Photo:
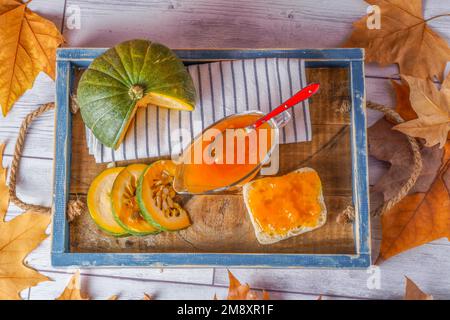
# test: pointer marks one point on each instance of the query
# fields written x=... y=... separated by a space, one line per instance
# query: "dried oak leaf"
x=238 y=291
x=404 y=38
x=73 y=289
x=432 y=108
x=28 y=46
x=413 y=292
x=393 y=147
x=419 y=218
x=18 y=238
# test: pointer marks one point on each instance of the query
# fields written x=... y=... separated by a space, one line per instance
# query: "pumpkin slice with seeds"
x=132 y=74
x=124 y=204
x=156 y=197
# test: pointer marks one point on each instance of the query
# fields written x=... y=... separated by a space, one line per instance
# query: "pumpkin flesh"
x=162 y=219
x=99 y=202
x=124 y=204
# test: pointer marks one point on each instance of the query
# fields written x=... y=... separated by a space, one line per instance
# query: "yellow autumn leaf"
x=18 y=238
x=28 y=45
x=73 y=289
x=238 y=291
x=433 y=111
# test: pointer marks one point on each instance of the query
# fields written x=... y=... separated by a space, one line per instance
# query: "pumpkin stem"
x=136 y=92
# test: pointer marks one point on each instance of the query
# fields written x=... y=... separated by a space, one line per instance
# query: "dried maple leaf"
x=403 y=106
x=73 y=289
x=238 y=291
x=413 y=292
x=18 y=238
x=432 y=108
x=404 y=38
x=419 y=218
x=28 y=44
x=393 y=147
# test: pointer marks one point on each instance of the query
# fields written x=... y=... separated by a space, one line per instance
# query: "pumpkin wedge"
x=132 y=74
x=99 y=202
x=155 y=196
x=124 y=205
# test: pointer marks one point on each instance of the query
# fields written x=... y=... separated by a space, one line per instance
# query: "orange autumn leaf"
x=403 y=37
x=147 y=297
x=28 y=46
x=413 y=292
x=18 y=238
x=73 y=289
x=238 y=291
x=432 y=108
x=403 y=105
x=419 y=218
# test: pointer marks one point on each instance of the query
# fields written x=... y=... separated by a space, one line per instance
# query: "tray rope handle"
x=348 y=214
x=74 y=207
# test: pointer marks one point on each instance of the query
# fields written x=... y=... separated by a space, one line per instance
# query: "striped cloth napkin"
x=223 y=88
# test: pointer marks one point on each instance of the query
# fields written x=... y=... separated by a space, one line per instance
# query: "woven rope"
x=348 y=214
x=16 y=160
x=75 y=207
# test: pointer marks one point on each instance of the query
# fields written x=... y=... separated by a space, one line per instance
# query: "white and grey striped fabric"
x=223 y=88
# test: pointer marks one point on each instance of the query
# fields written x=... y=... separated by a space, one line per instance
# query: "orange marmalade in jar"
x=225 y=156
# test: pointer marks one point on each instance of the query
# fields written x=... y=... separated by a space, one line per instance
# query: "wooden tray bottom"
x=220 y=222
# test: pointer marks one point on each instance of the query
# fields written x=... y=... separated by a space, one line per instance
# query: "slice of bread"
x=265 y=238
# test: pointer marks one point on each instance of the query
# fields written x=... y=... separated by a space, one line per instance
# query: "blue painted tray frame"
x=68 y=59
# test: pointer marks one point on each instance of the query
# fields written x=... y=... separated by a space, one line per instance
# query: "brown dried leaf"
x=18 y=238
x=404 y=38
x=238 y=291
x=73 y=289
x=393 y=147
x=433 y=110
x=413 y=292
x=403 y=106
x=419 y=218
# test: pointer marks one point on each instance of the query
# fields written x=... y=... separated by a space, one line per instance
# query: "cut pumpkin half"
x=124 y=205
x=132 y=74
x=99 y=202
x=155 y=195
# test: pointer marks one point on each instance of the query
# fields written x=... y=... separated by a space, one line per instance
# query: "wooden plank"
x=220 y=24
x=40 y=260
x=101 y=287
x=52 y=10
x=34 y=181
x=426 y=265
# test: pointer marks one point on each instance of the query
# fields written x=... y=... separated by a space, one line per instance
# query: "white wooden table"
x=205 y=24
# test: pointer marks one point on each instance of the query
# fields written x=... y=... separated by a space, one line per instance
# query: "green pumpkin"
x=132 y=74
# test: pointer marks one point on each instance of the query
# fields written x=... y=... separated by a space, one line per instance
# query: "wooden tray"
x=221 y=234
